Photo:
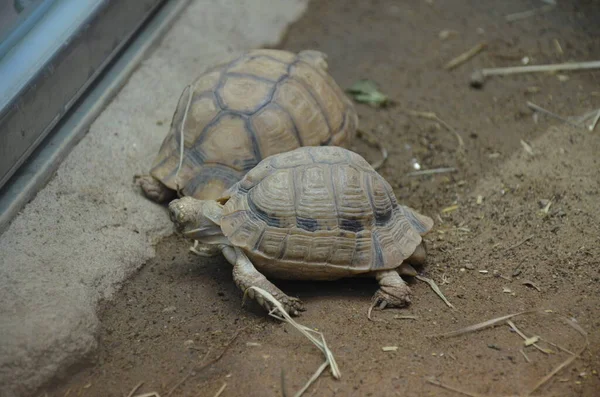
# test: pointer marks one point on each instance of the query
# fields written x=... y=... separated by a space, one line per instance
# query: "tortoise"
x=313 y=213
x=237 y=113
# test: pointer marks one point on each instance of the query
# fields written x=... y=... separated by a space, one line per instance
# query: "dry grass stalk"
x=549 y=113
x=452 y=388
x=434 y=117
x=308 y=333
x=494 y=321
x=592 y=126
x=220 y=391
x=135 y=388
x=151 y=394
x=206 y=363
x=398 y=317
x=372 y=140
x=529 y=13
x=528 y=341
x=181 y=136
x=569 y=360
x=480 y=326
x=525 y=356
x=465 y=56
x=435 y=289
x=432 y=171
x=526 y=239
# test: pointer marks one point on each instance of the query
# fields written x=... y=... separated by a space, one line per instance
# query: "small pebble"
x=469 y=266
x=483 y=271
x=169 y=309
x=188 y=343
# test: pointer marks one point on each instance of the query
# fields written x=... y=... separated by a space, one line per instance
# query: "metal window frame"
x=42 y=120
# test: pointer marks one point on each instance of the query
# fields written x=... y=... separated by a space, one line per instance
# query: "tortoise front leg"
x=153 y=189
x=394 y=291
x=245 y=276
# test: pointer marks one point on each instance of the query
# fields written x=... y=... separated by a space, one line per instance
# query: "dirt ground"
x=181 y=311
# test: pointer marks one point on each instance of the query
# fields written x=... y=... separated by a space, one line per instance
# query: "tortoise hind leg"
x=245 y=276
x=154 y=189
x=393 y=291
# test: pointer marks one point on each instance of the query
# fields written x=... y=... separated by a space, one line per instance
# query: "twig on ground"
x=478 y=77
x=522 y=335
x=372 y=140
x=465 y=56
x=308 y=333
x=568 y=360
x=434 y=117
x=549 y=113
x=208 y=363
x=135 y=388
x=526 y=239
x=435 y=289
x=182 y=137
x=432 y=171
x=218 y=393
x=592 y=126
x=492 y=322
x=452 y=388
x=531 y=284
x=529 y=13
x=480 y=326
x=525 y=356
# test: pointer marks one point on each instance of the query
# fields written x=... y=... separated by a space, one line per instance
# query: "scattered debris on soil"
x=494 y=193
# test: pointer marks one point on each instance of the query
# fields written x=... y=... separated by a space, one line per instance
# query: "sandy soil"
x=181 y=311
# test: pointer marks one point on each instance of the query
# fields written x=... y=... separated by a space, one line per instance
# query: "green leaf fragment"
x=366 y=91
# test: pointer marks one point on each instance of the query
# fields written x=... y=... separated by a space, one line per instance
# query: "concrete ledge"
x=89 y=228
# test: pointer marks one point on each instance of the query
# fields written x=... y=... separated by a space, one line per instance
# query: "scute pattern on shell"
x=320 y=213
x=259 y=104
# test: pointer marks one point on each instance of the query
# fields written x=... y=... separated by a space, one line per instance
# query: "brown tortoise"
x=261 y=103
x=314 y=213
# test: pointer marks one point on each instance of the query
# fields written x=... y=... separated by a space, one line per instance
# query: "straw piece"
x=435 y=289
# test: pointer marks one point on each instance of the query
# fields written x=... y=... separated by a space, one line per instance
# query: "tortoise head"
x=197 y=219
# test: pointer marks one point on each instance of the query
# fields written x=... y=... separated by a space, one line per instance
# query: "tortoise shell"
x=262 y=103
x=320 y=213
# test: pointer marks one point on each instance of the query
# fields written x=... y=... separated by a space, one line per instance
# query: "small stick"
x=182 y=137
x=432 y=171
x=529 y=13
x=211 y=362
x=522 y=335
x=592 y=126
x=549 y=113
x=135 y=388
x=525 y=356
x=478 y=76
x=526 y=239
x=372 y=140
x=452 y=388
x=434 y=117
x=435 y=289
x=465 y=56
x=221 y=389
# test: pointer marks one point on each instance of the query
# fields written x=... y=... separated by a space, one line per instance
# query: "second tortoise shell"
x=320 y=213
x=261 y=103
